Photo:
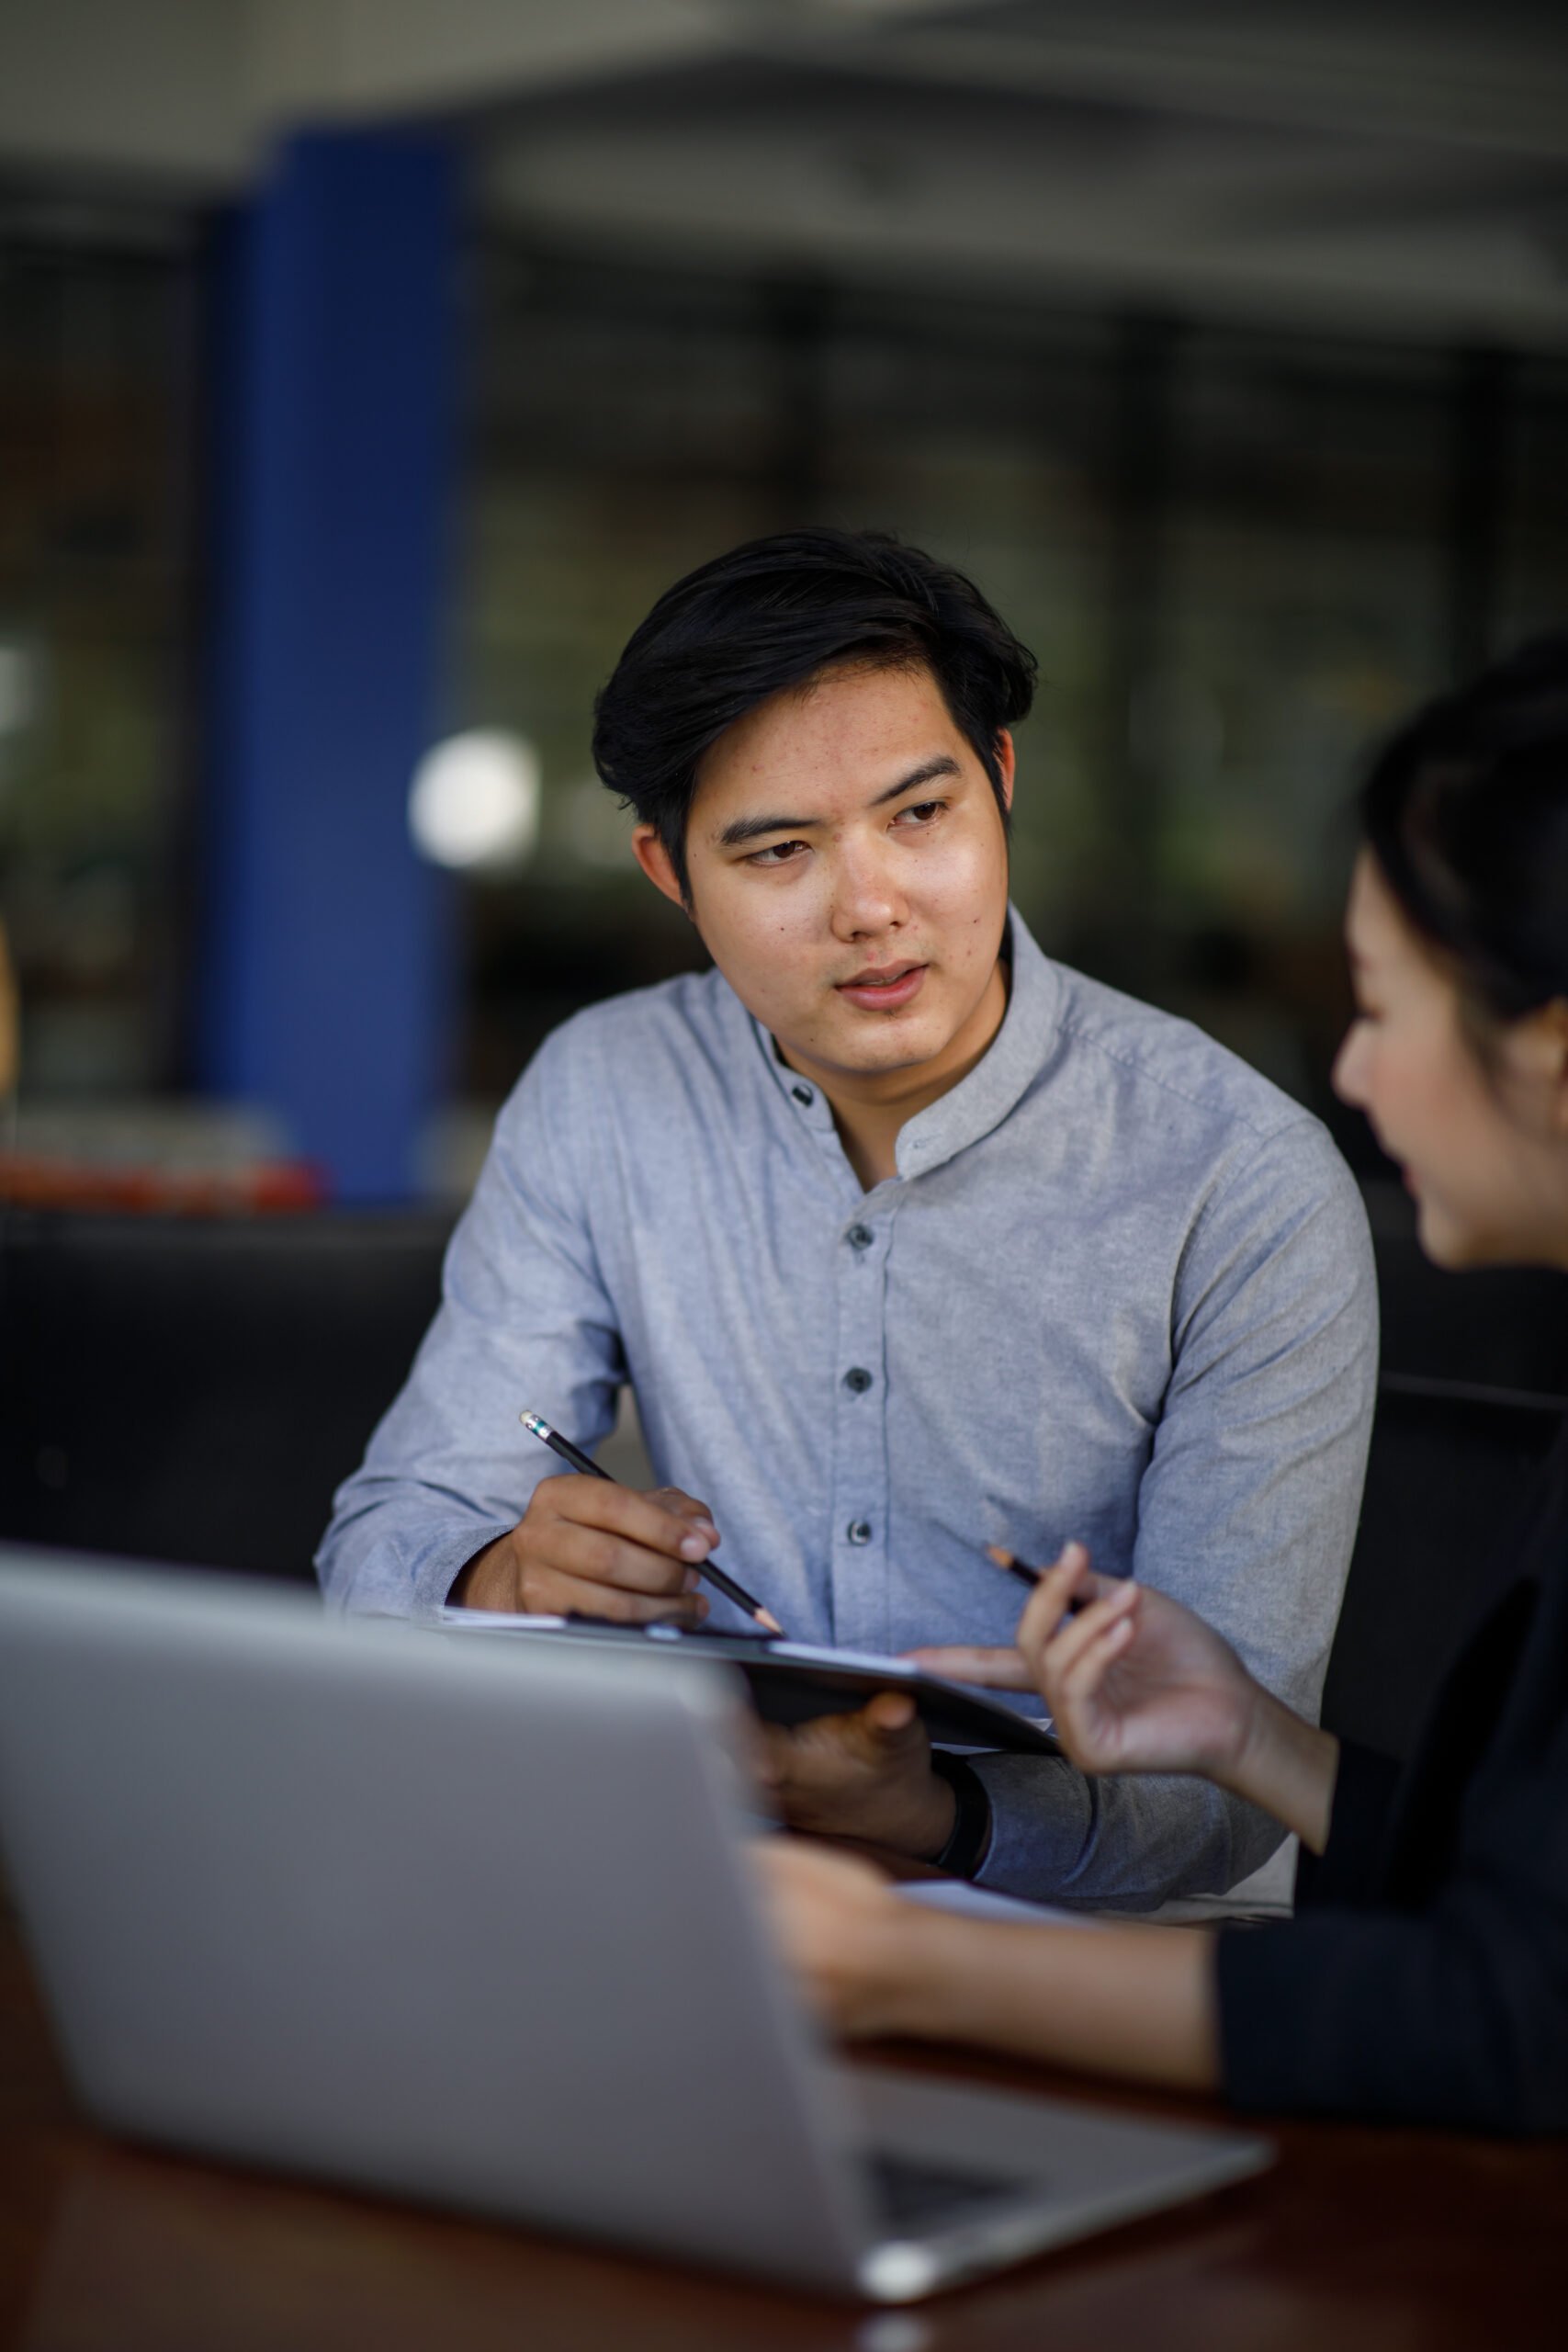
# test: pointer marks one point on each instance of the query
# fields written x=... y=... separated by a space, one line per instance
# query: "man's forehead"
x=879 y=718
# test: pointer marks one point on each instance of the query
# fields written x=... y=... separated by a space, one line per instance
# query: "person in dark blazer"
x=1425 y=1975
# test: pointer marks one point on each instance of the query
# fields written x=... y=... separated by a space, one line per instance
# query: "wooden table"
x=1359 y=2240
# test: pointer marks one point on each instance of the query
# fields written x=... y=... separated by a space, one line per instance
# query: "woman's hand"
x=842 y=1928
x=1133 y=2001
x=1137 y=1683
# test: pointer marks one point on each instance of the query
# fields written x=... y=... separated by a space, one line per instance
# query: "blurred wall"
x=1228 y=351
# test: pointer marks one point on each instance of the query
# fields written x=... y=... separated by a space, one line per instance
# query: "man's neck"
x=870 y=1137
x=872 y=1110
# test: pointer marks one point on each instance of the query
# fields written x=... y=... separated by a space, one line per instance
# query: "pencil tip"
x=765 y=1617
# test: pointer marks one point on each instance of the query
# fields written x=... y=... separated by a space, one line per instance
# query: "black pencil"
x=1029 y=1578
x=537 y=1426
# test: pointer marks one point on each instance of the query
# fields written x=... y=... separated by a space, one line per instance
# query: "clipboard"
x=791 y=1682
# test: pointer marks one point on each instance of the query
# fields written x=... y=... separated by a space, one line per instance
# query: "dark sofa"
x=193 y=1389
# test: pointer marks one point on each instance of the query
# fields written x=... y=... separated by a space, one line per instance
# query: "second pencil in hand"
x=537 y=1426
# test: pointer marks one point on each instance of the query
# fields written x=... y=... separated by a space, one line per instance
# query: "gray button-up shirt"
x=1121 y=1288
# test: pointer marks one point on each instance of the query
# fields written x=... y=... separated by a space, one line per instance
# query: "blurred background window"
x=1228 y=350
x=97 y=642
x=1534 y=524
x=1239 y=556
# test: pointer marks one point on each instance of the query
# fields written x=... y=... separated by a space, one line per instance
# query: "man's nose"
x=868 y=898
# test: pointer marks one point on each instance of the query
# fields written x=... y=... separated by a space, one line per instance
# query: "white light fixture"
x=474 y=801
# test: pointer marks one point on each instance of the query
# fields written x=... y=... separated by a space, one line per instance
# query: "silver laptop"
x=469 y=1923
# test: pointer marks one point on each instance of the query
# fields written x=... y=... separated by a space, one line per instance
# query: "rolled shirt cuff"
x=416 y=1583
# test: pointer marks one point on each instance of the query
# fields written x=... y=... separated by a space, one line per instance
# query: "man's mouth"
x=883 y=986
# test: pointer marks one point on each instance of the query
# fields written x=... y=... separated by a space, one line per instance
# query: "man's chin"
x=896 y=1074
x=883 y=1042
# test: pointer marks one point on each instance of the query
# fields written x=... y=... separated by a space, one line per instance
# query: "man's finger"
x=644 y=1519
x=557 y=1592
x=597 y=1557
x=996 y=1669
x=688 y=1507
x=862 y=1736
x=890 y=1713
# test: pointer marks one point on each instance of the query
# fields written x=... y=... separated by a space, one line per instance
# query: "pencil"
x=1027 y=1576
x=537 y=1426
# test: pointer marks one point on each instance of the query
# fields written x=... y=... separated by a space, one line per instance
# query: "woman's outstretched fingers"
x=1055 y=1658
x=1065 y=1586
x=1076 y=1632
x=1080 y=1677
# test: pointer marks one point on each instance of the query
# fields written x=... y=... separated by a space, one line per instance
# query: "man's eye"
x=924 y=812
x=776 y=853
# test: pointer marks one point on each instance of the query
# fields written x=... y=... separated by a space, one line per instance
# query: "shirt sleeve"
x=524 y=1323
x=1457 y=2015
x=1247 y=1512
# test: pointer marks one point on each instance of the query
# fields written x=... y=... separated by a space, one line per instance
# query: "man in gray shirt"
x=908 y=1239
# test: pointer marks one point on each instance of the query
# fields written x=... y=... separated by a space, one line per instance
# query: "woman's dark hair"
x=1466 y=813
x=770 y=616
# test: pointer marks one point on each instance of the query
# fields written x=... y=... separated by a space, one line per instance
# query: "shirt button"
x=859 y=1236
x=859 y=1531
x=802 y=1095
x=857 y=1380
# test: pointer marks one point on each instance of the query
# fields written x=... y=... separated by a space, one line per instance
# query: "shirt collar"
x=978 y=1102
x=1004 y=1073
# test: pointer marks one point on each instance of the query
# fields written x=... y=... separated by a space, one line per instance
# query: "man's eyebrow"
x=944 y=764
x=751 y=829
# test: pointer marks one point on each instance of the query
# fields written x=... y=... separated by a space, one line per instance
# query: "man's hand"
x=866 y=1775
x=602 y=1550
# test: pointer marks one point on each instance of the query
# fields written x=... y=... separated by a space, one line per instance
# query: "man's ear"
x=1007 y=762
x=654 y=859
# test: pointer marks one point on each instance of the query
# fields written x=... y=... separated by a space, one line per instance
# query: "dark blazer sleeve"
x=1350 y=1866
x=1456 y=2014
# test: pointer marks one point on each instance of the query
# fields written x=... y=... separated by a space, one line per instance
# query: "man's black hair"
x=1466 y=814
x=773 y=614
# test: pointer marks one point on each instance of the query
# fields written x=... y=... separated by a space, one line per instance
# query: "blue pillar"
x=326 y=979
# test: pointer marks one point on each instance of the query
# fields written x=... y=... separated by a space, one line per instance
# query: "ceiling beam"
x=1349 y=78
